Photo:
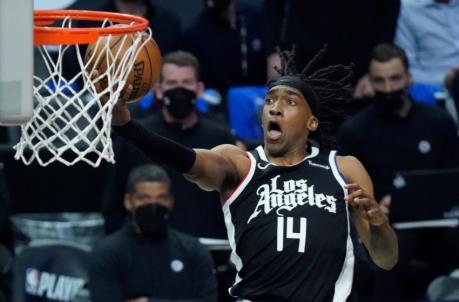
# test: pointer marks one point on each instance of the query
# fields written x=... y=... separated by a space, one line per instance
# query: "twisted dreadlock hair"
x=331 y=87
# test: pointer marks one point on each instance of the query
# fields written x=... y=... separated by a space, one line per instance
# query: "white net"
x=73 y=124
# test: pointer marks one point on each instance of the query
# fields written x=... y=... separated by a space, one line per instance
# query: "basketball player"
x=286 y=203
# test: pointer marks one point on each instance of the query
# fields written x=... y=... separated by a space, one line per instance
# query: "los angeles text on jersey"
x=289 y=195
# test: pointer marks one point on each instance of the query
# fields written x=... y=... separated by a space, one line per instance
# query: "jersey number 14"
x=285 y=231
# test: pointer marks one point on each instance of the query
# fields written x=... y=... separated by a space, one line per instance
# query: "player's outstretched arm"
x=221 y=168
x=218 y=169
x=369 y=219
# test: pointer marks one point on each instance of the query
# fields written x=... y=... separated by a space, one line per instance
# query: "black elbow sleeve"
x=159 y=149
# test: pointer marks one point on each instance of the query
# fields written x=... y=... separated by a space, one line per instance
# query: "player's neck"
x=289 y=158
x=187 y=122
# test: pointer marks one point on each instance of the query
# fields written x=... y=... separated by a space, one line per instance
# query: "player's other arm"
x=371 y=223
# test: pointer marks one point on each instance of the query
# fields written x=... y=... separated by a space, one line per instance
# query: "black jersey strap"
x=159 y=149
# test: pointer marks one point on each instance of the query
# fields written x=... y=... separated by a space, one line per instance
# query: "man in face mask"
x=149 y=203
x=179 y=88
x=146 y=260
x=390 y=79
x=396 y=133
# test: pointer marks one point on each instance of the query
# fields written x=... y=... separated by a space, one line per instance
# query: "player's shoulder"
x=229 y=150
x=236 y=156
x=349 y=165
x=348 y=160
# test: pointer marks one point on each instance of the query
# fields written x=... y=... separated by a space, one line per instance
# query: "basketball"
x=145 y=71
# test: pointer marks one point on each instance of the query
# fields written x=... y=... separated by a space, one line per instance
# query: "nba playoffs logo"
x=52 y=286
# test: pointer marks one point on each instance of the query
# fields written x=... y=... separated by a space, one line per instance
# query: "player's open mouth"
x=274 y=131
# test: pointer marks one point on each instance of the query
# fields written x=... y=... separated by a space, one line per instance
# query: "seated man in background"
x=146 y=259
x=393 y=134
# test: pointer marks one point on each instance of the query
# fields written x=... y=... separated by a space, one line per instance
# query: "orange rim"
x=45 y=33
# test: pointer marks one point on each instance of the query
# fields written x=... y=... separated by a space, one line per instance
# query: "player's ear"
x=313 y=123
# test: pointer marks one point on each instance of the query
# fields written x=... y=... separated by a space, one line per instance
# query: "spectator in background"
x=428 y=30
x=166 y=26
x=146 y=259
x=392 y=134
x=227 y=40
x=196 y=212
x=395 y=133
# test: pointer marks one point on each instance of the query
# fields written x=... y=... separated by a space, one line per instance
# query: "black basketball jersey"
x=288 y=228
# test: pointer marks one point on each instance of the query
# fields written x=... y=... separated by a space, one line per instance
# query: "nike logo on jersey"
x=289 y=195
x=263 y=167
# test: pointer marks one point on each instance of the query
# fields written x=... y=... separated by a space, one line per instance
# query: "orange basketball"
x=145 y=71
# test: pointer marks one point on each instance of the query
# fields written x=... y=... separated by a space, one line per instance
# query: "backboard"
x=16 y=61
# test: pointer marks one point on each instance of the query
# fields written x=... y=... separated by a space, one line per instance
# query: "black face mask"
x=388 y=103
x=151 y=219
x=179 y=101
x=216 y=7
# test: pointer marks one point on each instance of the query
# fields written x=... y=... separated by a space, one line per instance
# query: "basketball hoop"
x=70 y=123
